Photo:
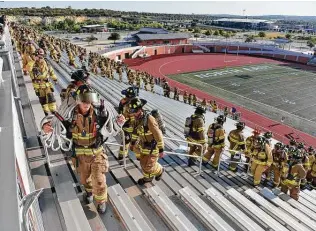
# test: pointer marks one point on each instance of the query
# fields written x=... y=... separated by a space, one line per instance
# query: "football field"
x=282 y=86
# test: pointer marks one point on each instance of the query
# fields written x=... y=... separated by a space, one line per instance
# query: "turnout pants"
x=210 y=152
x=96 y=167
x=311 y=179
x=257 y=170
x=149 y=163
x=276 y=174
x=291 y=186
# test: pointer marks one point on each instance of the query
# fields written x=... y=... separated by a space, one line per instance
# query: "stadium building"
x=246 y=23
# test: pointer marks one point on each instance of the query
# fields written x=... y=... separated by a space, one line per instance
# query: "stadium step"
x=206 y=214
x=168 y=210
x=288 y=208
x=289 y=221
x=312 y=193
x=298 y=205
x=128 y=212
x=234 y=213
x=254 y=211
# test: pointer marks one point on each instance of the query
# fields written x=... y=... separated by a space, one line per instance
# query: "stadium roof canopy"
x=144 y=37
x=243 y=20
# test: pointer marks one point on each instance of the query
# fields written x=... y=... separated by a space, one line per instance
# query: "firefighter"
x=311 y=175
x=185 y=97
x=41 y=73
x=128 y=127
x=138 y=80
x=280 y=159
x=194 y=100
x=166 y=90
x=261 y=159
x=152 y=84
x=250 y=146
x=197 y=134
x=293 y=173
x=28 y=56
x=203 y=103
x=190 y=99
x=71 y=57
x=305 y=162
x=150 y=141
x=216 y=141
x=268 y=136
x=119 y=70
x=92 y=160
x=237 y=144
x=176 y=94
x=214 y=107
x=80 y=77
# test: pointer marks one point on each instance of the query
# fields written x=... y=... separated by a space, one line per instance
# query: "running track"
x=163 y=65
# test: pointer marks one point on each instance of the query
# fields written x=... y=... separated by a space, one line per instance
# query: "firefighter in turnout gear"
x=194 y=100
x=250 y=146
x=28 y=57
x=128 y=127
x=293 y=173
x=305 y=162
x=216 y=141
x=176 y=94
x=185 y=97
x=41 y=72
x=280 y=159
x=150 y=141
x=197 y=134
x=311 y=175
x=237 y=144
x=262 y=159
x=84 y=130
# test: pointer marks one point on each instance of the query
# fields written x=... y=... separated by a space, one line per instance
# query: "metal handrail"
x=192 y=156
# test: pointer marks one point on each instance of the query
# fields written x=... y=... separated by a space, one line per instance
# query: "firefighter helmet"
x=86 y=94
x=296 y=155
x=130 y=92
x=79 y=75
x=268 y=135
x=310 y=149
x=40 y=52
x=293 y=142
x=300 y=145
x=200 y=110
x=240 y=125
x=259 y=141
x=220 y=119
x=279 y=146
x=256 y=131
x=135 y=104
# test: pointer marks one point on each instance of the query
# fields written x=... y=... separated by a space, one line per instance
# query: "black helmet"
x=240 y=125
x=300 y=145
x=130 y=92
x=296 y=155
x=86 y=94
x=200 y=110
x=260 y=141
x=268 y=135
x=136 y=104
x=79 y=75
x=279 y=145
x=310 y=149
x=293 y=142
x=220 y=119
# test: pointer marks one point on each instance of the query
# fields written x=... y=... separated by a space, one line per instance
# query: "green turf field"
x=283 y=86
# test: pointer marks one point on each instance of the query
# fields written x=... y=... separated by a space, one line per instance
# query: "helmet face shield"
x=89 y=97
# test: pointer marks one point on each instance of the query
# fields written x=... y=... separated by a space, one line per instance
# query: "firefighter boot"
x=158 y=177
x=102 y=207
x=144 y=180
x=89 y=198
x=191 y=162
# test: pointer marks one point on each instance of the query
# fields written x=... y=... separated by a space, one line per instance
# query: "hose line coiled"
x=57 y=139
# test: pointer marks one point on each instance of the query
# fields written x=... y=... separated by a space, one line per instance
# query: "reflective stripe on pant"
x=96 y=167
x=210 y=152
x=124 y=153
x=150 y=165
x=290 y=185
x=257 y=171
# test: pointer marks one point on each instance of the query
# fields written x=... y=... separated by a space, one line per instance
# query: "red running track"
x=162 y=65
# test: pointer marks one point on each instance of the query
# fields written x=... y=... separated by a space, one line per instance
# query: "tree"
x=227 y=35
x=196 y=35
x=208 y=33
x=197 y=30
x=250 y=39
x=262 y=34
x=311 y=43
x=216 y=33
x=114 y=36
x=288 y=36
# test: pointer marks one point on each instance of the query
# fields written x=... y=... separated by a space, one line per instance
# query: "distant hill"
x=269 y=17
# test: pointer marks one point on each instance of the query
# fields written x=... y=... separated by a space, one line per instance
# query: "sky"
x=301 y=8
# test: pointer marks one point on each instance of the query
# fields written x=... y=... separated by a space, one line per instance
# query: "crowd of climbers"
x=290 y=166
